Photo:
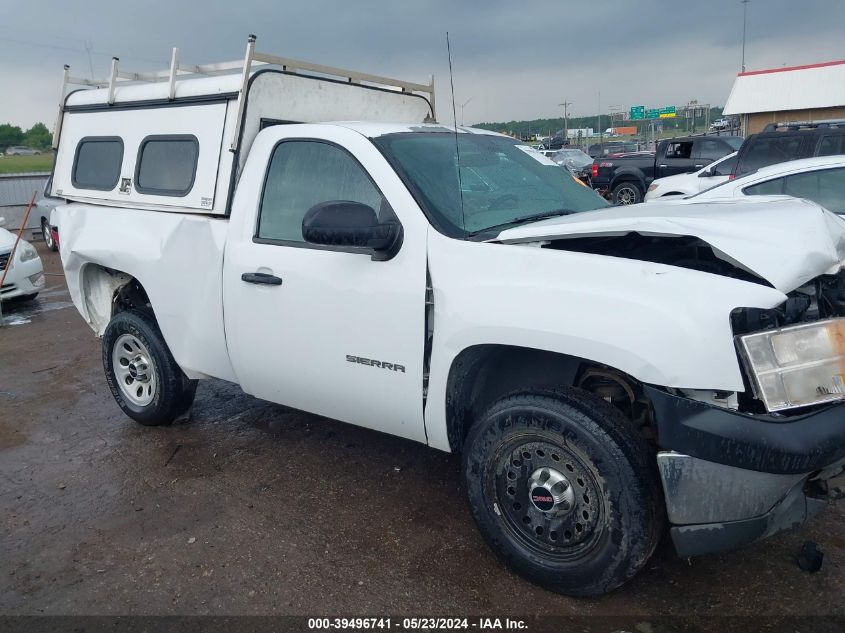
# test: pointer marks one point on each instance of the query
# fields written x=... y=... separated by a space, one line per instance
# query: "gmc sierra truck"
x=624 y=179
x=601 y=371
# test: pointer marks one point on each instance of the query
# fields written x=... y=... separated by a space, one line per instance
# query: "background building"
x=798 y=93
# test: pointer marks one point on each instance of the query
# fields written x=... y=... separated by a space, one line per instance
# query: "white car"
x=690 y=184
x=25 y=277
x=820 y=179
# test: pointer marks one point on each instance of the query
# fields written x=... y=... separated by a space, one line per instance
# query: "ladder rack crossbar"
x=179 y=71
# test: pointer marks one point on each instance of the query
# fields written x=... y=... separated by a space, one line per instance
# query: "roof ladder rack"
x=244 y=66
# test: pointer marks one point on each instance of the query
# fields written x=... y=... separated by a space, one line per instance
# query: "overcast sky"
x=511 y=60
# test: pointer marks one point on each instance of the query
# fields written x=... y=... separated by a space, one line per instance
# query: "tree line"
x=552 y=125
x=38 y=136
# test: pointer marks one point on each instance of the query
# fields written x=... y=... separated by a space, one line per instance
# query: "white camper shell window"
x=96 y=163
x=167 y=165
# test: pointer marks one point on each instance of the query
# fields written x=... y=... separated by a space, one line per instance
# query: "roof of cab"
x=372 y=129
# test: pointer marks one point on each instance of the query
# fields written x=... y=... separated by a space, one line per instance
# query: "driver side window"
x=306 y=173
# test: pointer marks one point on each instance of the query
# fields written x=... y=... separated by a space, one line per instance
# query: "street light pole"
x=565 y=105
x=744 y=16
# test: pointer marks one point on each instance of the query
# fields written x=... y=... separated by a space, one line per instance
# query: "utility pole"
x=565 y=106
x=601 y=135
x=744 y=16
x=462 y=109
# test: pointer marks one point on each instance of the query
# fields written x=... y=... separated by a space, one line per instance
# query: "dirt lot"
x=252 y=508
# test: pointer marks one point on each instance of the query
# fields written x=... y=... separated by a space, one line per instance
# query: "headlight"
x=652 y=187
x=26 y=252
x=799 y=365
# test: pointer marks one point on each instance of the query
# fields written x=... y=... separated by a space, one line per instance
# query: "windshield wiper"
x=524 y=219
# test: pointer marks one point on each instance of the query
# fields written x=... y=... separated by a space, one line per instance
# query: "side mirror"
x=352 y=224
x=707 y=173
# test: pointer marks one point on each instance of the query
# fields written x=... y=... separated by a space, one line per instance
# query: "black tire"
x=615 y=519
x=627 y=192
x=171 y=392
x=47 y=234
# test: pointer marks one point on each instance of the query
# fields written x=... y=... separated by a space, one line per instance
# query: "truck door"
x=328 y=330
x=676 y=159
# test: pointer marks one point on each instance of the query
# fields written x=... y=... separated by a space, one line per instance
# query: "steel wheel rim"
x=134 y=370
x=564 y=537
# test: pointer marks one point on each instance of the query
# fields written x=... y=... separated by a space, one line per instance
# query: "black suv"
x=781 y=142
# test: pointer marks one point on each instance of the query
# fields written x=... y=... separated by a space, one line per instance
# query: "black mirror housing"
x=344 y=223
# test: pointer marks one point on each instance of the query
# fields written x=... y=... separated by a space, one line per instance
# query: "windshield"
x=734 y=141
x=502 y=180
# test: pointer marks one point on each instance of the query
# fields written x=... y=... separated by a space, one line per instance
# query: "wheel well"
x=628 y=179
x=106 y=291
x=483 y=374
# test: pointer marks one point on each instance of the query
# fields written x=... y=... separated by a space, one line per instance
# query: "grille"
x=4 y=260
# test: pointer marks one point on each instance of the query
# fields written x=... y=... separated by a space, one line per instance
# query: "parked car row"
x=626 y=178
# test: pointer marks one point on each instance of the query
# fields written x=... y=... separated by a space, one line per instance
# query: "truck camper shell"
x=176 y=140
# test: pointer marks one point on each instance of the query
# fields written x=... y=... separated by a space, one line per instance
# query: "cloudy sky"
x=512 y=60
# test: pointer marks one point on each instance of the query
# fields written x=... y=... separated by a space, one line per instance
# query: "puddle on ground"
x=21 y=313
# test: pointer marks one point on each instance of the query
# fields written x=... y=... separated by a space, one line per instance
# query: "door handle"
x=699 y=166
x=663 y=166
x=261 y=278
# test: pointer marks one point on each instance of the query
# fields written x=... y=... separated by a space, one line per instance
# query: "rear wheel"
x=627 y=193
x=141 y=373
x=564 y=490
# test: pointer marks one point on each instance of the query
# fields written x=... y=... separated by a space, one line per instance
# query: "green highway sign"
x=668 y=112
x=637 y=113
x=653 y=113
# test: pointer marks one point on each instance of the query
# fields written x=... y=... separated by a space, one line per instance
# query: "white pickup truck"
x=599 y=369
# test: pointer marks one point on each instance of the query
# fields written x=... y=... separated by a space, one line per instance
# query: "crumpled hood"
x=783 y=240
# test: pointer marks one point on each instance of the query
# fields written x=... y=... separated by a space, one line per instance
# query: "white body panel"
x=662 y=324
x=686 y=184
x=289 y=343
x=177 y=258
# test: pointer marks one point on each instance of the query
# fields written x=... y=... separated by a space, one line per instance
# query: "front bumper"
x=732 y=478
x=23 y=279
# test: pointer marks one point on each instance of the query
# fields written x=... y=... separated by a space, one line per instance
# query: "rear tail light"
x=732 y=177
x=594 y=170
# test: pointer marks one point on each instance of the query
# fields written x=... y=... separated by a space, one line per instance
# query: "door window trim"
x=317 y=247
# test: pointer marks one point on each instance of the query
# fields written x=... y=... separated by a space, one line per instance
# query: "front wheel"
x=564 y=490
x=626 y=193
x=141 y=373
x=47 y=234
